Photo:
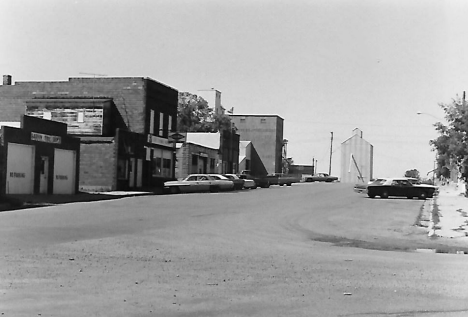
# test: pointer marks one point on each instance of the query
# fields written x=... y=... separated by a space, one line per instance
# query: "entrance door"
x=131 y=174
x=139 y=173
x=44 y=175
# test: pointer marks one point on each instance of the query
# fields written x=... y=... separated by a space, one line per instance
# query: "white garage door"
x=64 y=171
x=20 y=169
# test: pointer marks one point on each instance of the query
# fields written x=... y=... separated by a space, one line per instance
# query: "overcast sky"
x=323 y=66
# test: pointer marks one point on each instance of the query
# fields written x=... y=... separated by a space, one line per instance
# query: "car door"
x=192 y=184
x=395 y=188
x=204 y=182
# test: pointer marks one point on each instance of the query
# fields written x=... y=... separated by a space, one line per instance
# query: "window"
x=161 y=123
x=262 y=120
x=194 y=159
x=242 y=119
x=47 y=115
x=80 y=116
x=151 y=124
x=169 y=128
x=212 y=163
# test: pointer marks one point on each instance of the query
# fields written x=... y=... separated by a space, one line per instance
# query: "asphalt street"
x=305 y=250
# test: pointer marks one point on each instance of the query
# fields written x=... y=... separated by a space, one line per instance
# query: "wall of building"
x=356 y=151
x=266 y=135
x=98 y=166
x=186 y=164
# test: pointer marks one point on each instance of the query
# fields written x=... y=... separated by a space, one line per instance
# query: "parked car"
x=248 y=183
x=199 y=183
x=281 y=179
x=263 y=182
x=321 y=177
x=238 y=183
x=400 y=187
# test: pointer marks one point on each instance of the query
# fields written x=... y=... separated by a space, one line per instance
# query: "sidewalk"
x=451 y=207
x=12 y=202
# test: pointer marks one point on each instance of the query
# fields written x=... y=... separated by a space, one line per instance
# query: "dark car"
x=321 y=177
x=399 y=187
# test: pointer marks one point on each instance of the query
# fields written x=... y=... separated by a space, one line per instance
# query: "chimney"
x=6 y=80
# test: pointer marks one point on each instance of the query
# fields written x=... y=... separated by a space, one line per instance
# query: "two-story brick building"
x=123 y=124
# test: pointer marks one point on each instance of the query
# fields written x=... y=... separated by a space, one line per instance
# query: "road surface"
x=312 y=249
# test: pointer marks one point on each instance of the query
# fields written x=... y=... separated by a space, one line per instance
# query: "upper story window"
x=169 y=128
x=161 y=124
x=151 y=124
x=262 y=120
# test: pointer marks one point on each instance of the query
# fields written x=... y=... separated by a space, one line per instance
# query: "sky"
x=322 y=66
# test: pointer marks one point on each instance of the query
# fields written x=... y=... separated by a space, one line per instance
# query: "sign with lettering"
x=157 y=140
x=39 y=137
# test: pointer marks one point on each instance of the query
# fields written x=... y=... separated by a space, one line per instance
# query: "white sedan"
x=199 y=183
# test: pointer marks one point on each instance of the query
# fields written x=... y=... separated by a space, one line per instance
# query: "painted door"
x=20 y=169
x=64 y=171
x=44 y=175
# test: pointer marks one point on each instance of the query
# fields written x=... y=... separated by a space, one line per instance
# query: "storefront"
x=38 y=158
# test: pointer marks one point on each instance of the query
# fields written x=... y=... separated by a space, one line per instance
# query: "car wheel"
x=214 y=189
x=422 y=196
x=384 y=194
x=288 y=184
x=371 y=194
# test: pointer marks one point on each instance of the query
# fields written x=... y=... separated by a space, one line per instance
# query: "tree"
x=414 y=173
x=194 y=115
x=451 y=145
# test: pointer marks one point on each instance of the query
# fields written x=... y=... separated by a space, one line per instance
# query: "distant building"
x=123 y=124
x=213 y=97
x=357 y=159
x=203 y=152
x=266 y=134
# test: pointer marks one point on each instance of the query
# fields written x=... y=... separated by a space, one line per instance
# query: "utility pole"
x=313 y=166
x=331 y=152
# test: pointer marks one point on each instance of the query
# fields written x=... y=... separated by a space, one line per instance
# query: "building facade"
x=106 y=114
x=357 y=159
x=266 y=134
x=204 y=152
x=38 y=158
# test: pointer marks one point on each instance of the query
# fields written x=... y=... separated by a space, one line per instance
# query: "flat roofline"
x=100 y=78
x=255 y=115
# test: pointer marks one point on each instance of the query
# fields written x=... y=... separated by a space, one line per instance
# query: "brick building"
x=266 y=134
x=123 y=124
